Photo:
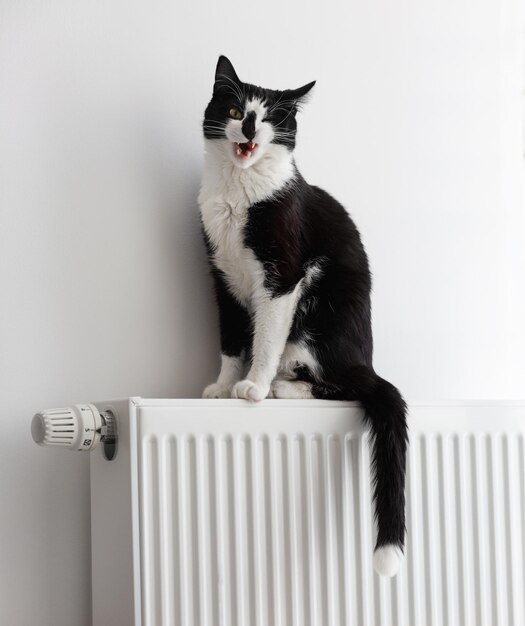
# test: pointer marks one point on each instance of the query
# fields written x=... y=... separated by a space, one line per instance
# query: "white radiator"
x=218 y=513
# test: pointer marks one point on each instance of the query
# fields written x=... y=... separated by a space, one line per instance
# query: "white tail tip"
x=387 y=560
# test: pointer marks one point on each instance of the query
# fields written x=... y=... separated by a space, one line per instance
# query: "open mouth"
x=244 y=150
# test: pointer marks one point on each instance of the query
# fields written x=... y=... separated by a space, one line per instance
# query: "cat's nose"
x=248 y=126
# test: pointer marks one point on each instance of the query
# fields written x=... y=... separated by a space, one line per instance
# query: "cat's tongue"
x=245 y=149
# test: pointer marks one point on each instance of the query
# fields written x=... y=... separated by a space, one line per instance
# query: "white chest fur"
x=227 y=193
x=225 y=229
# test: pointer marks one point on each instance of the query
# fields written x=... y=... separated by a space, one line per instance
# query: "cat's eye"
x=235 y=113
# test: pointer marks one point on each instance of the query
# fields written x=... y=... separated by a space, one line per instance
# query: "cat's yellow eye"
x=235 y=113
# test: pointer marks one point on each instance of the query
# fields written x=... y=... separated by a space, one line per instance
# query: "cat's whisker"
x=229 y=89
x=285 y=105
x=289 y=113
x=281 y=102
x=284 y=137
x=235 y=86
x=281 y=109
x=276 y=103
x=214 y=126
x=234 y=94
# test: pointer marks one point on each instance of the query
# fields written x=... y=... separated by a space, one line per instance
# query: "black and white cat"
x=293 y=283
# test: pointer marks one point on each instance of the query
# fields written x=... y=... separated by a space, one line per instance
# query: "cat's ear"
x=225 y=75
x=300 y=95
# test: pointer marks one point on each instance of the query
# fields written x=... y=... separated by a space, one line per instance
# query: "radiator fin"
x=277 y=531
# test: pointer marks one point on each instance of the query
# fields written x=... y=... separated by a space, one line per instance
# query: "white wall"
x=413 y=126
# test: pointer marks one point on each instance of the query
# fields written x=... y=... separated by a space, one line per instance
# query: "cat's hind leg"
x=285 y=389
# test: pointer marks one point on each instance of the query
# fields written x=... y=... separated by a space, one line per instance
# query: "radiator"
x=219 y=513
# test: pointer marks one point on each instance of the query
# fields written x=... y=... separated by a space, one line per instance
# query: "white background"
x=414 y=125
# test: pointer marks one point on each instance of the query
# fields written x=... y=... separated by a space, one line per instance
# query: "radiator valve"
x=78 y=427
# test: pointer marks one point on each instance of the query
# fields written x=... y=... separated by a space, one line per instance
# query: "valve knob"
x=78 y=427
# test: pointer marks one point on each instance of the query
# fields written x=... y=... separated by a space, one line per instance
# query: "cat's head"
x=250 y=120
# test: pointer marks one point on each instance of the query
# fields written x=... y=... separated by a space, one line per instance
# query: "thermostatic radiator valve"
x=78 y=427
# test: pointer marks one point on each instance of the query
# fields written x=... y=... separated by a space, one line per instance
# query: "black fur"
x=300 y=227
x=248 y=126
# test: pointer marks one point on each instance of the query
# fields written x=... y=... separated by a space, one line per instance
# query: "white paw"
x=248 y=390
x=289 y=389
x=216 y=391
x=387 y=560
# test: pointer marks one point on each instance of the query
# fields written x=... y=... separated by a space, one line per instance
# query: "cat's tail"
x=385 y=413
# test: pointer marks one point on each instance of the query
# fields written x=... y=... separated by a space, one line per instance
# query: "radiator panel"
x=262 y=516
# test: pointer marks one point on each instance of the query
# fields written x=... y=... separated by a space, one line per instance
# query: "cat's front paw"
x=215 y=390
x=248 y=390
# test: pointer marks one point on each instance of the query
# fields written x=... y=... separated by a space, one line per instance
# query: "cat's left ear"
x=225 y=76
x=300 y=95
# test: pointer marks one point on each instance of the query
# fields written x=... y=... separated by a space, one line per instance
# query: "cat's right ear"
x=225 y=75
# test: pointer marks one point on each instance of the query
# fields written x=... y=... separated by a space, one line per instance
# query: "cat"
x=293 y=283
